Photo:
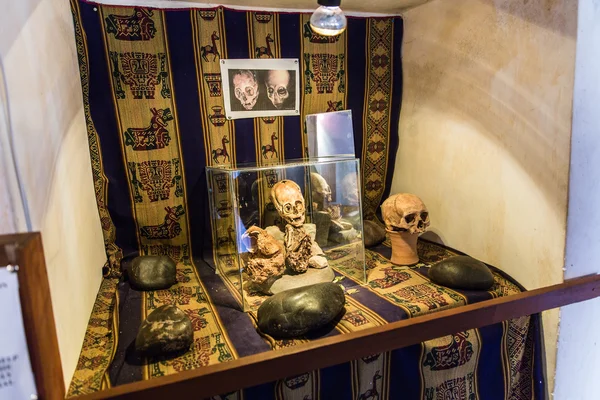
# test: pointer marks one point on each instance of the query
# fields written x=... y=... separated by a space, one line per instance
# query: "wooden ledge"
x=272 y=365
x=25 y=250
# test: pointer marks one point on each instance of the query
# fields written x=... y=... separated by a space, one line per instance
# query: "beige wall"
x=577 y=367
x=37 y=49
x=485 y=131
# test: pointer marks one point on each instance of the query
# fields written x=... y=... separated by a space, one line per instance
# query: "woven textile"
x=154 y=108
x=154 y=111
x=501 y=361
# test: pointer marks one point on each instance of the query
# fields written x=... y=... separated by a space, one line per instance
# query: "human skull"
x=246 y=88
x=321 y=192
x=277 y=82
x=405 y=212
x=350 y=189
x=289 y=202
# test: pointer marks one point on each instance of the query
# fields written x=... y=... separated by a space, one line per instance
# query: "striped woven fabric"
x=154 y=112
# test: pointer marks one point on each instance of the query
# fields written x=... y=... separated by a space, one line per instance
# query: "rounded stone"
x=373 y=233
x=152 y=273
x=298 y=311
x=462 y=272
x=167 y=330
x=310 y=277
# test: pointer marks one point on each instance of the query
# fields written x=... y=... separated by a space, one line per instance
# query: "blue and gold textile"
x=153 y=104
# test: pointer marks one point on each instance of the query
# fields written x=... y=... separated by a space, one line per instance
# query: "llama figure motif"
x=270 y=148
x=211 y=49
x=265 y=51
x=221 y=152
x=372 y=393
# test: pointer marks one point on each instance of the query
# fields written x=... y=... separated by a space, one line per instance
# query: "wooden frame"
x=265 y=367
x=26 y=251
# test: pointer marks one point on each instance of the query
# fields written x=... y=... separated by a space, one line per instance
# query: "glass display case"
x=281 y=226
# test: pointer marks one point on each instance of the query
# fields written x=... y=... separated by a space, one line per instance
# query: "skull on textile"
x=405 y=212
x=289 y=202
x=246 y=88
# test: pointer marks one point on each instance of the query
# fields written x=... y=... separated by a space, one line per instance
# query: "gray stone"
x=310 y=277
x=322 y=220
x=318 y=262
x=339 y=225
x=373 y=233
x=311 y=229
x=298 y=311
x=462 y=272
x=345 y=236
x=316 y=250
x=276 y=233
x=152 y=273
x=167 y=330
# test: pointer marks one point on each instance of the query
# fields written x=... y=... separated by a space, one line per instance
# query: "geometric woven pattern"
x=494 y=362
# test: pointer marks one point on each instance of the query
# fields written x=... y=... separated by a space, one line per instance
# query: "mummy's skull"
x=405 y=212
x=277 y=83
x=246 y=88
x=321 y=192
x=289 y=202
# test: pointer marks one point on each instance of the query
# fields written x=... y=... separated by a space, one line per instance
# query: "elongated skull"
x=405 y=212
x=350 y=189
x=246 y=88
x=289 y=202
x=277 y=83
x=321 y=191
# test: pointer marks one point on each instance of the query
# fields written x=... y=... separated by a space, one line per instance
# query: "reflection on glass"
x=252 y=211
x=330 y=134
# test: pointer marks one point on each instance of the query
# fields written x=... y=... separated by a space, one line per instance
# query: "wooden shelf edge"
x=26 y=250
x=269 y=366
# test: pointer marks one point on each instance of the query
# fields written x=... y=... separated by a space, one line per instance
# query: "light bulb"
x=328 y=21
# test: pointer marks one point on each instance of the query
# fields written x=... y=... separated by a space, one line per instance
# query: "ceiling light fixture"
x=328 y=19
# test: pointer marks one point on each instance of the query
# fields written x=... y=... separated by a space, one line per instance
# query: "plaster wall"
x=577 y=368
x=12 y=216
x=43 y=92
x=485 y=132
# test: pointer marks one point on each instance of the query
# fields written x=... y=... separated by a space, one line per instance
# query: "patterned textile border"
x=380 y=39
x=150 y=147
x=324 y=70
x=99 y=343
x=114 y=253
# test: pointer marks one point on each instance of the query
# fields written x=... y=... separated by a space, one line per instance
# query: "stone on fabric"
x=318 y=262
x=346 y=236
x=311 y=229
x=167 y=330
x=373 y=233
x=310 y=277
x=462 y=272
x=298 y=311
x=152 y=273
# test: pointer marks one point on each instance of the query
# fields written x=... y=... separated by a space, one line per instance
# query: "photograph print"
x=260 y=87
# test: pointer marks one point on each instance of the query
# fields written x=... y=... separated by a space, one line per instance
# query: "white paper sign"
x=16 y=377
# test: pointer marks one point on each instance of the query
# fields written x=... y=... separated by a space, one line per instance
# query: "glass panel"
x=249 y=209
x=330 y=134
